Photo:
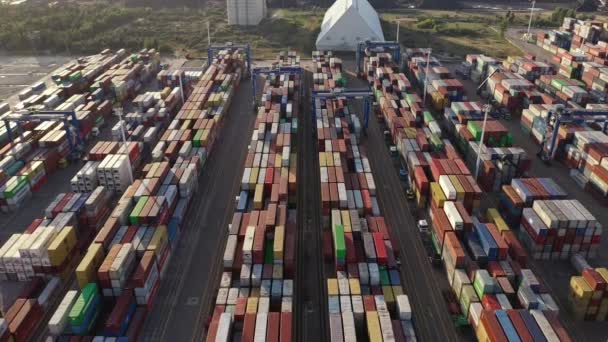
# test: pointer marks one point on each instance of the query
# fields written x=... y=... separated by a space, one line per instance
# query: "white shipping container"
x=403 y=307
x=453 y=215
x=448 y=188
x=475 y=313
x=348 y=326
x=544 y=326
x=59 y=319
x=260 y=327
x=230 y=251
x=48 y=292
x=224 y=328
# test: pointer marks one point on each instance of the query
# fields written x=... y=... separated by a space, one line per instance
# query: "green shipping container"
x=428 y=117
x=475 y=130
x=467 y=296
x=436 y=143
x=268 y=253
x=83 y=304
x=435 y=241
x=134 y=217
x=196 y=141
x=384 y=278
x=339 y=243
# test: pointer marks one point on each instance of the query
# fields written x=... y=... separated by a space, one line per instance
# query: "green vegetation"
x=87 y=28
x=78 y=29
x=453 y=32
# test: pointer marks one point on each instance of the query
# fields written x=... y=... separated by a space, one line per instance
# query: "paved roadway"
x=311 y=315
x=421 y=282
x=189 y=286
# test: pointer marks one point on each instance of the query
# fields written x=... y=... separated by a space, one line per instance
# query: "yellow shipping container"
x=62 y=245
x=437 y=194
x=345 y=214
x=494 y=216
x=603 y=271
x=332 y=287
x=278 y=244
x=86 y=272
x=258 y=197
x=482 y=335
x=579 y=288
x=253 y=177
x=387 y=291
x=252 y=305
x=355 y=286
x=158 y=241
x=397 y=290
x=322 y=161
x=459 y=189
x=410 y=132
x=329 y=159
x=373 y=326
x=277 y=160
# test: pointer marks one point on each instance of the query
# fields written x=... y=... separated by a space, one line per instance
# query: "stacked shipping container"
x=26 y=162
x=255 y=295
x=328 y=71
x=365 y=296
x=126 y=259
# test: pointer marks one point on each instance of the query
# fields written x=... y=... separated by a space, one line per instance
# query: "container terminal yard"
x=381 y=195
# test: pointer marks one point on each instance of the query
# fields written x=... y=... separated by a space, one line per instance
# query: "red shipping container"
x=272 y=328
x=136 y=324
x=22 y=326
x=249 y=327
x=492 y=327
x=286 y=327
x=490 y=302
x=381 y=256
x=121 y=309
x=520 y=326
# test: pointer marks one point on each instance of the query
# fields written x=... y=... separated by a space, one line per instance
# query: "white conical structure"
x=348 y=22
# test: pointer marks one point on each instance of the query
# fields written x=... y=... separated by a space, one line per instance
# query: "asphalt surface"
x=422 y=283
x=188 y=289
x=311 y=315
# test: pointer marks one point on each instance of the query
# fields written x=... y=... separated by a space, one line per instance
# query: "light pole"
x=118 y=111
x=181 y=86
x=208 y=35
x=483 y=128
x=530 y=22
x=426 y=75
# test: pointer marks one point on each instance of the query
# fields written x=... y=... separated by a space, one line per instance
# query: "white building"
x=246 y=12
x=348 y=22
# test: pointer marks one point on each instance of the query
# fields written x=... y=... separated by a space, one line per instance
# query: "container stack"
x=499 y=162
x=564 y=89
x=587 y=293
x=119 y=244
x=125 y=79
x=441 y=86
x=255 y=295
x=481 y=66
x=530 y=69
x=288 y=58
x=522 y=192
x=365 y=296
x=81 y=87
x=327 y=71
x=20 y=320
x=554 y=229
x=595 y=77
x=551 y=227
x=508 y=89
